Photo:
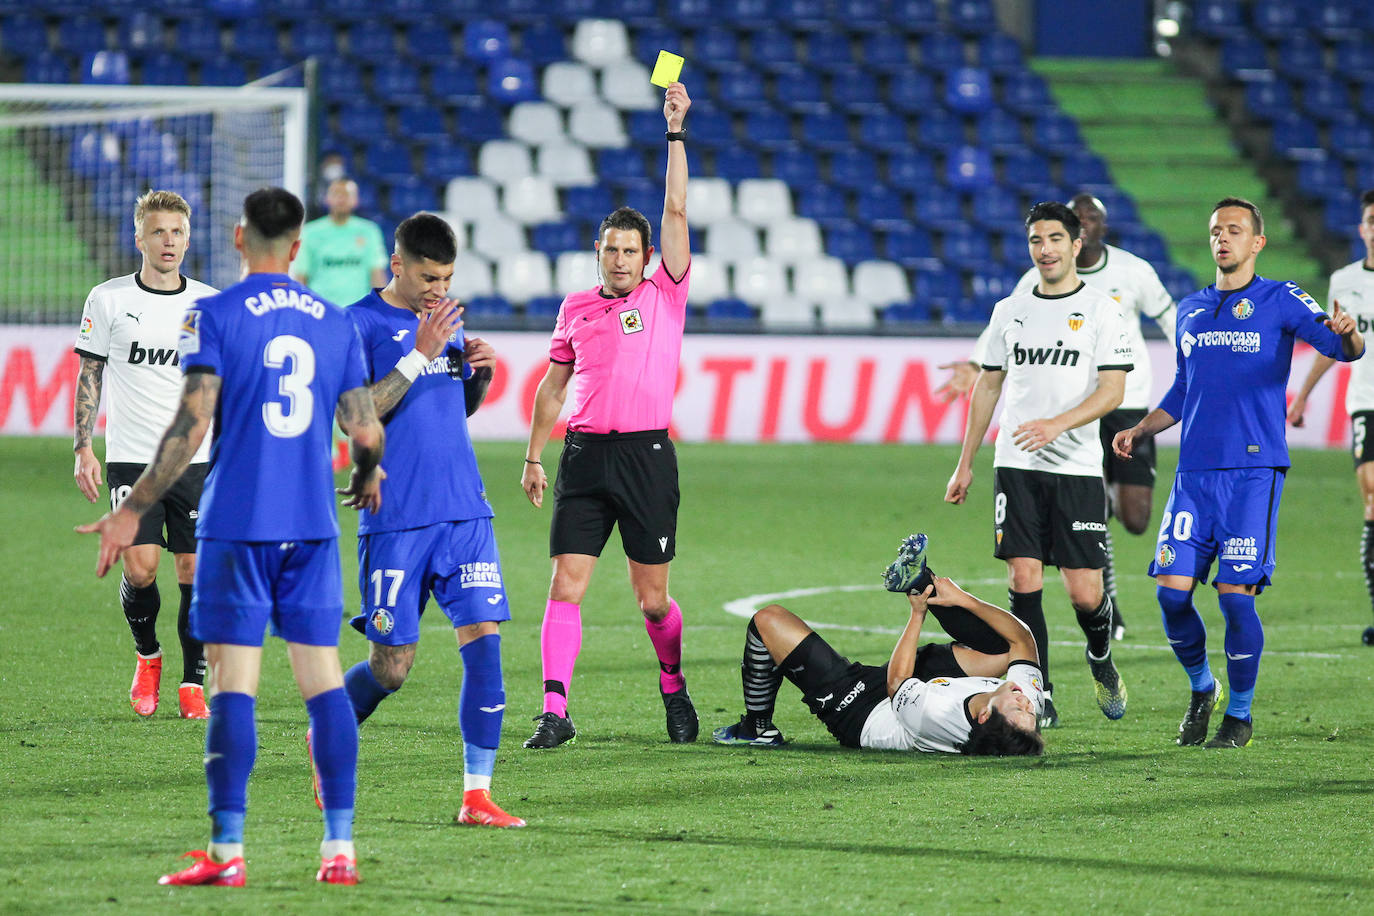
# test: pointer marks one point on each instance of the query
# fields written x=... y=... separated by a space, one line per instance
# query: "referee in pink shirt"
x=621 y=341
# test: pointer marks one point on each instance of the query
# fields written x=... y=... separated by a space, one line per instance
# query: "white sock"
x=331 y=848
x=224 y=852
x=473 y=781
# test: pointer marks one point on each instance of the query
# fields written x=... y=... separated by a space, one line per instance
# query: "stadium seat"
x=823 y=279
x=846 y=315
x=996 y=207
x=588 y=204
x=708 y=199
x=95 y=154
x=625 y=84
x=787 y=313
x=716 y=47
x=222 y=71
x=1218 y=18
x=972 y=17
x=141 y=32
x=510 y=81
x=487 y=307
x=542 y=311
x=1026 y=171
x=1084 y=168
x=942 y=52
x=904 y=313
x=940 y=208
x=1352 y=140
x=502 y=160
x=826 y=130
x=576 y=270
x=340 y=81
x=1295 y=137
x=163 y=69
x=1269 y=100
x=471 y=276
x=530 y=199
x=912 y=92
x=965 y=311
x=1001 y=132
x=729 y=314
x=369 y=44
x=885 y=132
x=710 y=280
x=644 y=127
x=880 y=283
x=1001 y=54
x=600 y=42
x=1354 y=59
x=362 y=120
x=967 y=248
x=423 y=123
x=759 y=279
x=497 y=235
x=535 y=122
x=968 y=168
x=470 y=198
x=829 y=50
x=768 y=129
x=1245 y=58
x=738 y=164
x=939 y=130
x=793 y=240
x=23 y=35
x=911 y=170
x=856 y=90
x=881 y=207
x=554 y=238
x=618 y=166
x=1299 y=56
x=396 y=80
x=255 y=39
x=741 y=88
x=564 y=163
x=428 y=41
x=569 y=12
x=852 y=169
x=1056 y=134
x=596 y=124
x=862 y=15
x=152 y=153
x=772 y=49
x=968 y=90
x=196 y=39
x=1325 y=98
x=409 y=196
x=887 y=51
x=486 y=40
x=442 y=161
x=824 y=203
x=80 y=35
x=645 y=196
x=803 y=15
x=850 y=243
x=542 y=44
x=455 y=82
x=1276 y=19
x=732 y=240
x=1027 y=95
x=1318 y=177
x=989 y=287
x=388 y=160
x=747 y=14
x=796 y=166
x=106 y=68
x=710 y=129
x=799 y=89
x=1341 y=19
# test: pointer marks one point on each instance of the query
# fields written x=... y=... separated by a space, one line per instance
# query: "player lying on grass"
x=979 y=695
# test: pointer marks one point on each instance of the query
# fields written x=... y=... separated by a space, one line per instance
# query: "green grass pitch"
x=95 y=804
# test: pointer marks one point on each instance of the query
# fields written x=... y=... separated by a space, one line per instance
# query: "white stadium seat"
x=880 y=283
x=760 y=279
x=497 y=235
x=566 y=83
x=597 y=125
x=576 y=270
x=471 y=276
x=625 y=84
x=821 y=280
x=502 y=160
x=531 y=200
x=565 y=163
x=600 y=41
x=523 y=275
x=762 y=201
x=731 y=240
x=850 y=314
x=791 y=240
x=535 y=122
x=467 y=198
x=710 y=280
x=788 y=313
x=709 y=200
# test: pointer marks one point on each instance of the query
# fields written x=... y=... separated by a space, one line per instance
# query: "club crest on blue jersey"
x=1166 y=556
x=630 y=322
x=382 y=621
x=1243 y=309
x=1076 y=321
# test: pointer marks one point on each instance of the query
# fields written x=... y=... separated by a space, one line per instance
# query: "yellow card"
x=667 y=69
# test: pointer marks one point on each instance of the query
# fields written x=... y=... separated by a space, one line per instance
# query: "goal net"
x=73 y=159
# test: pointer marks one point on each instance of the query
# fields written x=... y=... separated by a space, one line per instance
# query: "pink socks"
x=666 y=635
x=560 y=639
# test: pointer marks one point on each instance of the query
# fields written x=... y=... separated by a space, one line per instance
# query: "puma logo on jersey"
x=133 y=316
x=400 y=334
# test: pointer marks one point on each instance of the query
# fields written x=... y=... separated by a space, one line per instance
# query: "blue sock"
x=231 y=746
x=1244 y=645
x=1187 y=636
x=363 y=690
x=334 y=737
x=482 y=703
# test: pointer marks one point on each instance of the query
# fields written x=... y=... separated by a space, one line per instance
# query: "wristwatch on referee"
x=678 y=135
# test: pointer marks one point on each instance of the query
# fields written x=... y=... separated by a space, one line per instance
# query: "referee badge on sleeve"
x=630 y=322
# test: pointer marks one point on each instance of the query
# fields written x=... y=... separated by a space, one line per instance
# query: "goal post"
x=73 y=159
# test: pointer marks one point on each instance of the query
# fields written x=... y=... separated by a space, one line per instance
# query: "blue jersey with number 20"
x=283 y=357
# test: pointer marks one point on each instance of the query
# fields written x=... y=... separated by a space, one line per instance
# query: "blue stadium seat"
x=862 y=15
x=234 y=10
x=829 y=50
x=645 y=196
x=885 y=132
x=1354 y=60
x=990 y=286
x=542 y=44
x=619 y=166
x=911 y=247
x=1352 y=140
x=940 y=130
x=968 y=168
x=911 y=170
x=1364 y=175
x=1145 y=243
x=799 y=89
x=1299 y=56
x=23 y=35
x=939 y=208
x=105 y=68
x=255 y=39
x=712 y=129
x=569 y=12
x=163 y=69
x=1295 y=137
x=824 y=203
x=972 y=17
x=389 y=161
x=421 y=122
x=737 y=164
x=487 y=307
x=396 y=80
x=966 y=311
x=478 y=124
x=1001 y=132
x=152 y=153
x=899 y=313
x=1340 y=213
x=772 y=48
x=222 y=70
x=197 y=39
x=362 y=121
x=803 y=15
x=455 y=82
x=745 y=14
x=795 y=166
x=1365 y=102
x=740 y=87
x=427 y=41
x=520 y=12
x=766 y=128
x=140 y=32
x=730 y=313
x=95 y=154
x=938 y=287
x=511 y=81
x=912 y=92
x=887 y=51
x=1269 y=100
x=1276 y=19
x=1009 y=244
x=942 y=52
x=1056 y=134
x=409 y=195
x=644 y=126
x=555 y=238
x=850 y=243
x=340 y=80
x=369 y=44
x=1325 y=98
x=692 y=13
x=542 y=311
x=915 y=16
x=588 y=203
x=1027 y=95
x=826 y=130
x=1000 y=53
x=293 y=11
x=882 y=207
x=1341 y=19
x=967 y=248
x=1318 y=177
x=855 y=90
x=80 y=35
x=1357 y=249
x=646 y=41
x=1026 y=171
x=1082 y=167
x=968 y=90
x=1245 y=58
x=996 y=207
x=313 y=37
x=715 y=48
x=1218 y=18
x=444 y=160
x=486 y=39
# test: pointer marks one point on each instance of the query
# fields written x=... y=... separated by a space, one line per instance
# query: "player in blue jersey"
x=273 y=366
x=1234 y=343
x=434 y=535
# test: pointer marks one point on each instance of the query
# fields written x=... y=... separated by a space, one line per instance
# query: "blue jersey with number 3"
x=283 y=357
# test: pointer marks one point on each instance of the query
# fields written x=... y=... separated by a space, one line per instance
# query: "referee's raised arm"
x=673 y=239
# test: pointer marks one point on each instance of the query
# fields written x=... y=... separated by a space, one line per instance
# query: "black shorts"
x=1140 y=470
x=1059 y=519
x=628 y=479
x=177 y=511
x=1361 y=443
x=842 y=693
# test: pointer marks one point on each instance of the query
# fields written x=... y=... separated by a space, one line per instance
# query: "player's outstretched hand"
x=364 y=492
x=957 y=488
x=1340 y=321
x=1297 y=409
x=675 y=105
x=1034 y=435
x=479 y=354
x=87 y=473
x=962 y=375
x=438 y=326
x=1123 y=443
x=533 y=481
x=117 y=531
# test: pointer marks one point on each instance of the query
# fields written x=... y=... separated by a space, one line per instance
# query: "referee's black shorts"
x=605 y=479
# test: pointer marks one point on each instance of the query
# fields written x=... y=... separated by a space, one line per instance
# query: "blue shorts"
x=241 y=586
x=1228 y=515
x=456 y=562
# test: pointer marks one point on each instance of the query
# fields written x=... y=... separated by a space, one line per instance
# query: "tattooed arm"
x=199 y=394
x=357 y=416
x=87 y=408
x=431 y=336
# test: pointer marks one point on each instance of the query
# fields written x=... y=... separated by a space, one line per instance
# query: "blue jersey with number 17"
x=283 y=357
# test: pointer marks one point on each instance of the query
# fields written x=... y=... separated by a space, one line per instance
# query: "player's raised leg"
x=772 y=634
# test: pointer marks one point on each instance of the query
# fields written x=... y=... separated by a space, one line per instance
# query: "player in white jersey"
x=1133 y=283
x=979 y=695
x=1352 y=287
x=1063 y=354
x=129 y=330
